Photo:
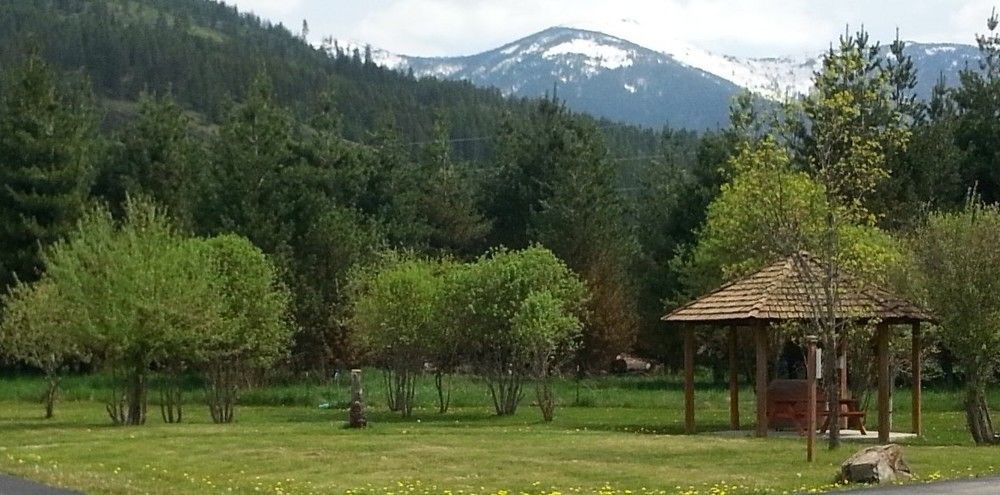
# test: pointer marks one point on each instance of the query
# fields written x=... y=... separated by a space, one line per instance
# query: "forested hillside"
x=205 y=54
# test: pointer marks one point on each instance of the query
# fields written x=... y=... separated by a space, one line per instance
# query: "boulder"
x=879 y=464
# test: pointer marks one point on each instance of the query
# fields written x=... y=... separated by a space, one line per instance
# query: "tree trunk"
x=116 y=403
x=505 y=389
x=832 y=382
x=51 y=394
x=223 y=391
x=401 y=384
x=171 y=399
x=391 y=396
x=442 y=382
x=407 y=388
x=977 y=412
x=546 y=399
x=136 y=398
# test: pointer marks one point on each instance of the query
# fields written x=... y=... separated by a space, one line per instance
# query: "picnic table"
x=850 y=409
x=794 y=410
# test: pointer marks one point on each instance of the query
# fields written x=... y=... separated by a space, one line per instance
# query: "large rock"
x=879 y=464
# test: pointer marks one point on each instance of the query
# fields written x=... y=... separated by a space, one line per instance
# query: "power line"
x=484 y=138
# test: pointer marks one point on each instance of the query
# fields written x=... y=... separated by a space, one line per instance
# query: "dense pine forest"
x=324 y=160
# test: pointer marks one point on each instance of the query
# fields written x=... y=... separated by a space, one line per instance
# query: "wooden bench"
x=849 y=409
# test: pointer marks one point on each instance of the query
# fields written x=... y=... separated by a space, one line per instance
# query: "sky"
x=756 y=28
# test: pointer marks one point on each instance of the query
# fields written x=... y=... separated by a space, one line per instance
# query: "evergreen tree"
x=159 y=158
x=674 y=193
x=449 y=200
x=557 y=186
x=978 y=129
x=48 y=146
x=928 y=175
x=855 y=120
x=252 y=157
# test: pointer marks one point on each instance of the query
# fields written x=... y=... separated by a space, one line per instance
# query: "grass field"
x=623 y=438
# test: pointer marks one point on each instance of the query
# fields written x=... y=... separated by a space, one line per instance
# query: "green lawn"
x=623 y=439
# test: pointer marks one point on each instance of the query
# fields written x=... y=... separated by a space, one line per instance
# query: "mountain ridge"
x=680 y=85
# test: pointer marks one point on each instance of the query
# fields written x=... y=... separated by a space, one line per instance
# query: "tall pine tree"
x=557 y=186
x=978 y=129
x=48 y=143
x=159 y=158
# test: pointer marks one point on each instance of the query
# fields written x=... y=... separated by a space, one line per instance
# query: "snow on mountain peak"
x=572 y=52
x=597 y=54
x=934 y=50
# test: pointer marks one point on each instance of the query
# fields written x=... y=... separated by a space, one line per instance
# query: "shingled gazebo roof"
x=791 y=290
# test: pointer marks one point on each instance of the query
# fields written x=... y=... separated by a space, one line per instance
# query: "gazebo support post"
x=916 y=363
x=760 y=339
x=734 y=383
x=689 y=427
x=882 y=338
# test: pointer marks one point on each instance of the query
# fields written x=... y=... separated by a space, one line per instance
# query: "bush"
x=517 y=314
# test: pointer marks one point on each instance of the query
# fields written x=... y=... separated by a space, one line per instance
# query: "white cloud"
x=270 y=9
x=741 y=27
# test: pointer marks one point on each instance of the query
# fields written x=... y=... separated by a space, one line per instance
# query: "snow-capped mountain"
x=677 y=84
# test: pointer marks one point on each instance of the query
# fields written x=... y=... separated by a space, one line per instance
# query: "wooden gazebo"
x=789 y=291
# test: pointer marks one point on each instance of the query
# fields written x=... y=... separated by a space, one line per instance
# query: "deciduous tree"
x=254 y=332
x=958 y=265
x=395 y=309
x=512 y=310
x=39 y=328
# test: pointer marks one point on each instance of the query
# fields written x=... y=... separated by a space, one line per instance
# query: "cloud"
x=739 y=27
x=270 y=9
x=437 y=27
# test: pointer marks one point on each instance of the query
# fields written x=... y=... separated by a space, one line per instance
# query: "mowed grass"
x=624 y=434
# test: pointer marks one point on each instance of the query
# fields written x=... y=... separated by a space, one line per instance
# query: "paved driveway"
x=982 y=486
x=17 y=486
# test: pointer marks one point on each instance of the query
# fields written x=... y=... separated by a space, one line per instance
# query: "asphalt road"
x=16 y=486
x=979 y=486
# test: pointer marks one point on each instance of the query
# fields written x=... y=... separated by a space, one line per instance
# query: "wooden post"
x=916 y=358
x=734 y=383
x=845 y=391
x=760 y=338
x=883 y=383
x=842 y=346
x=356 y=414
x=811 y=406
x=689 y=380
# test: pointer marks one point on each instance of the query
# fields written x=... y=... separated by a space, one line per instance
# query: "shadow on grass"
x=41 y=424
